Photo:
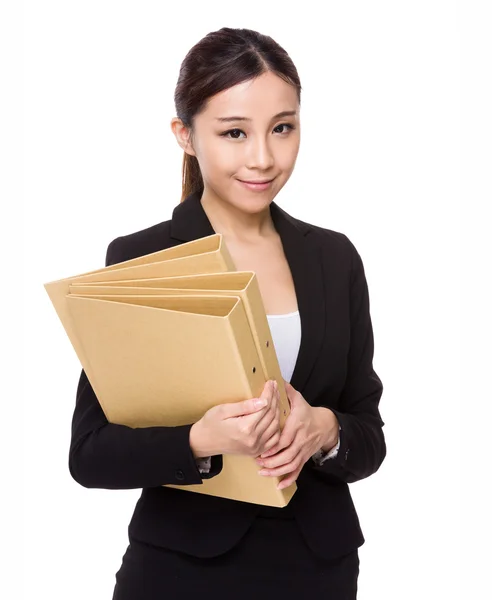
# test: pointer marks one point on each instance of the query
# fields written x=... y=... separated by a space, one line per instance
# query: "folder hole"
x=254 y=369
x=267 y=344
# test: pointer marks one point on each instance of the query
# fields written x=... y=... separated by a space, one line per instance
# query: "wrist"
x=198 y=442
x=329 y=428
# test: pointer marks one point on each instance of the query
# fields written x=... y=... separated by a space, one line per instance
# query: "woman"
x=237 y=101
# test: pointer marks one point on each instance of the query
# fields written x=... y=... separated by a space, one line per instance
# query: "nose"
x=259 y=156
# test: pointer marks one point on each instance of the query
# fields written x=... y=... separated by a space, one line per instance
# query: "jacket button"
x=180 y=475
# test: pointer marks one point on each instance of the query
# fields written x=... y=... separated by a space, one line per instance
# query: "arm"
x=111 y=456
x=362 y=443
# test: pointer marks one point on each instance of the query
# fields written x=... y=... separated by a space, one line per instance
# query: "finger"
x=282 y=470
x=286 y=450
x=288 y=480
x=265 y=397
x=289 y=392
x=274 y=420
x=292 y=395
x=271 y=440
x=265 y=420
x=271 y=451
x=283 y=457
x=286 y=438
x=270 y=436
x=269 y=390
x=274 y=397
x=270 y=393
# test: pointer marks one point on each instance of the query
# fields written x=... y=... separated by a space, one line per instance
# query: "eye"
x=290 y=127
x=239 y=131
x=226 y=133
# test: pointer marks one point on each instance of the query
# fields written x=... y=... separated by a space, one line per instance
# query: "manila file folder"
x=107 y=331
x=240 y=283
x=205 y=255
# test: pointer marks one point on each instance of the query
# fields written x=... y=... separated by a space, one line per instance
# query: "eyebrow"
x=285 y=113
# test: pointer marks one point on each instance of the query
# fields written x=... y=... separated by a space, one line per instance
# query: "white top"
x=286 y=335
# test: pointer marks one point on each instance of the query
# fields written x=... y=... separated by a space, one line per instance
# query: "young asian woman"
x=237 y=102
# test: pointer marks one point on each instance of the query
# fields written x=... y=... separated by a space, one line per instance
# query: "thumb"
x=288 y=388
x=244 y=407
x=290 y=391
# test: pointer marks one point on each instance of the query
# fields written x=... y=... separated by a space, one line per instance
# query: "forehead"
x=258 y=98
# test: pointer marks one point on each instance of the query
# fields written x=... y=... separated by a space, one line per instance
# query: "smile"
x=259 y=187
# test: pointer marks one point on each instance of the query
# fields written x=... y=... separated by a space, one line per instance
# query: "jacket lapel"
x=190 y=222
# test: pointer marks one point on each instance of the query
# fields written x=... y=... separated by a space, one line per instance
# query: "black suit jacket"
x=333 y=369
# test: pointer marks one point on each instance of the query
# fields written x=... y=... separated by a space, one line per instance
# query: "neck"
x=235 y=224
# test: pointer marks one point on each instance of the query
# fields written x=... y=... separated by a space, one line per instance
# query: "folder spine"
x=250 y=358
x=247 y=352
x=264 y=341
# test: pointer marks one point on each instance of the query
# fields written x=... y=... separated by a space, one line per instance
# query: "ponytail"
x=192 y=176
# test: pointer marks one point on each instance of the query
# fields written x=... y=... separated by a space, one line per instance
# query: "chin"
x=253 y=205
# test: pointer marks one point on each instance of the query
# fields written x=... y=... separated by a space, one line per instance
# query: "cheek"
x=288 y=156
x=218 y=159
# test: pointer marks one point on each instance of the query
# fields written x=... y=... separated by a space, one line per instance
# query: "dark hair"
x=220 y=60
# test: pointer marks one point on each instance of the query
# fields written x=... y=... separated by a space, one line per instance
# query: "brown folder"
x=205 y=255
x=240 y=283
x=165 y=360
x=105 y=332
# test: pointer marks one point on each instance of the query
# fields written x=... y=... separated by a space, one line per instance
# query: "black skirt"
x=272 y=560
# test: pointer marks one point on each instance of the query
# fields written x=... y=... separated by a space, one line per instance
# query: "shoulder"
x=145 y=241
x=335 y=247
x=329 y=240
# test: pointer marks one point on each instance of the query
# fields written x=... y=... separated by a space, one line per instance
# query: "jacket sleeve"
x=362 y=443
x=111 y=456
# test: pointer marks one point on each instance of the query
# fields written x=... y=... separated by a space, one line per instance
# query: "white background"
x=380 y=161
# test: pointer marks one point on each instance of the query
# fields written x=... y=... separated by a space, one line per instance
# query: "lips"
x=256 y=186
x=256 y=181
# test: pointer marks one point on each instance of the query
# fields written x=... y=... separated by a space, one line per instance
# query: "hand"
x=245 y=427
x=306 y=430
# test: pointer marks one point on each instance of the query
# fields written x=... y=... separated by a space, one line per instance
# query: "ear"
x=183 y=135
